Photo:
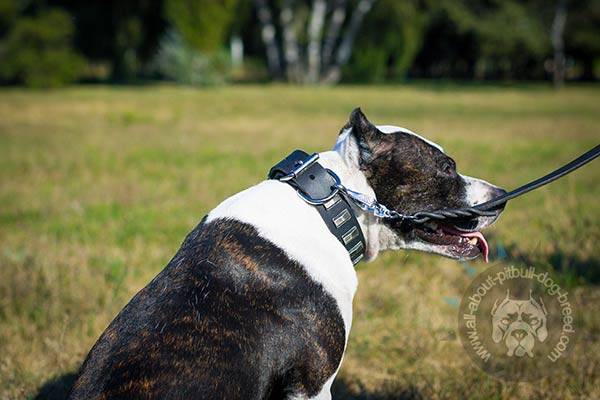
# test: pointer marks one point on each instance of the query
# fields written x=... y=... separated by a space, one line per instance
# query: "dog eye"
x=449 y=169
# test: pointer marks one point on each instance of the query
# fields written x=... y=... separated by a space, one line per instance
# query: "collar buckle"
x=301 y=165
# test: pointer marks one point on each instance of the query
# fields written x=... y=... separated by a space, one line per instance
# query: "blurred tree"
x=193 y=50
x=445 y=52
x=128 y=40
x=38 y=51
x=304 y=40
x=204 y=24
x=582 y=35
x=265 y=17
x=344 y=50
x=507 y=38
x=397 y=28
x=558 y=42
x=9 y=10
x=122 y=34
x=317 y=37
x=179 y=62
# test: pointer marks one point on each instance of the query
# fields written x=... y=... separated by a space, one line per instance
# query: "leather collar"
x=316 y=185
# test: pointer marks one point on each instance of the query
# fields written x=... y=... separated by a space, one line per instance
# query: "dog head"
x=408 y=173
x=518 y=323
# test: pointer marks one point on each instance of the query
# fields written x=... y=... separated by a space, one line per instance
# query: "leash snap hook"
x=369 y=204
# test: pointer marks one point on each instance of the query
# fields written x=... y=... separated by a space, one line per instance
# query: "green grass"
x=99 y=186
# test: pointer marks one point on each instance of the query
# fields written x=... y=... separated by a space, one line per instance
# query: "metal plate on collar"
x=341 y=218
x=331 y=203
x=357 y=253
x=350 y=235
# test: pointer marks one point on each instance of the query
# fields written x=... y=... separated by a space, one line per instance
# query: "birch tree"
x=268 y=36
x=315 y=44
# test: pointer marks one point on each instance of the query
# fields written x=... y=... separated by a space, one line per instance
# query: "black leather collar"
x=315 y=182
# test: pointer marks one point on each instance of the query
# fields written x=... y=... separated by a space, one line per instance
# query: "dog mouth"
x=452 y=242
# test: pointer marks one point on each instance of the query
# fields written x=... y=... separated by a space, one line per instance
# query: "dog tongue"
x=481 y=242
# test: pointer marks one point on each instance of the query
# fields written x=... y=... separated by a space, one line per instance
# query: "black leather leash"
x=318 y=186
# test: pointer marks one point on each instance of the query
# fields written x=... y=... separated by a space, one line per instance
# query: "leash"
x=322 y=188
x=486 y=209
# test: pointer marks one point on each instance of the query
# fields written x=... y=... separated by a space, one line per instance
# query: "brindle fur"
x=230 y=317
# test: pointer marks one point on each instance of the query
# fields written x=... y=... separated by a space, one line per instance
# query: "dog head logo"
x=518 y=323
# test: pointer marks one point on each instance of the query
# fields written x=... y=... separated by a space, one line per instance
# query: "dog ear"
x=542 y=332
x=543 y=306
x=361 y=126
x=495 y=307
x=368 y=137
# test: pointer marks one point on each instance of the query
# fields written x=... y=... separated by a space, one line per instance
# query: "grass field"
x=99 y=186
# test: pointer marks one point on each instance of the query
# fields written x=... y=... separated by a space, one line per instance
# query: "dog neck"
x=344 y=161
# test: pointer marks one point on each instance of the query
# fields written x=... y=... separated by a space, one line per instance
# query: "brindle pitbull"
x=257 y=302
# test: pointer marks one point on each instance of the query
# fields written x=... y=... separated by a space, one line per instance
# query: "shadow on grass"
x=56 y=388
x=343 y=390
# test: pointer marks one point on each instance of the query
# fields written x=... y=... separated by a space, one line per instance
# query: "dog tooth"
x=473 y=241
x=431 y=225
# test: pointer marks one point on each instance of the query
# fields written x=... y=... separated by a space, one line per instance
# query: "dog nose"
x=519 y=334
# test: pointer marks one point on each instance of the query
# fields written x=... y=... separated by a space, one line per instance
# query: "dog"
x=518 y=323
x=257 y=302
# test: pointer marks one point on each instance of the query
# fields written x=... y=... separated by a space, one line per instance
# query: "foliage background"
x=398 y=40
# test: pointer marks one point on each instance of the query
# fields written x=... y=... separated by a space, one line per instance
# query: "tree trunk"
x=338 y=17
x=558 y=27
x=322 y=62
x=315 y=27
x=333 y=73
x=268 y=37
x=291 y=51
